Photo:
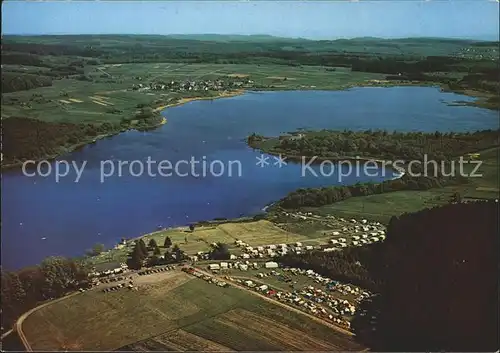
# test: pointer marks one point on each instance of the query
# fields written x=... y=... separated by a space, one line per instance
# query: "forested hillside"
x=436 y=273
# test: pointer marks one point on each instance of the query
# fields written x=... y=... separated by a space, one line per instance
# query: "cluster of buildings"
x=204 y=277
x=323 y=303
x=241 y=265
x=119 y=286
x=202 y=85
x=108 y=269
x=271 y=250
x=478 y=53
x=155 y=270
x=308 y=302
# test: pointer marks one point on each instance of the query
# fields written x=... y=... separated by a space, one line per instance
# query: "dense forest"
x=436 y=275
x=411 y=146
x=31 y=139
x=12 y=81
x=379 y=144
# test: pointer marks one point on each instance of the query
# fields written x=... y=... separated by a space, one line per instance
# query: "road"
x=19 y=329
x=19 y=323
x=7 y=333
x=277 y=302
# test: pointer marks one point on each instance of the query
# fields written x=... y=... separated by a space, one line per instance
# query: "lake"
x=42 y=217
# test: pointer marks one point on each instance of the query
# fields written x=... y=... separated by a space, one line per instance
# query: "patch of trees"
x=21 y=59
x=14 y=81
x=219 y=251
x=27 y=288
x=344 y=266
x=150 y=255
x=50 y=49
x=381 y=144
x=32 y=139
x=316 y=197
x=436 y=279
x=138 y=255
x=67 y=70
x=388 y=65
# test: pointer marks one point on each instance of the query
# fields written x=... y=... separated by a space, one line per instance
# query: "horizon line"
x=250 y=35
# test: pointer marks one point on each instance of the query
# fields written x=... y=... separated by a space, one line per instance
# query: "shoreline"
x=77 y=146
x=479 y=96
x=225 y=94
x=11 y=166
x=297 y=159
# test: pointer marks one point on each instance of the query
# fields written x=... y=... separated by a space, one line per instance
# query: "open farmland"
x=111 y=98
x=177 y=313
x=482 y=184
x=253 y=233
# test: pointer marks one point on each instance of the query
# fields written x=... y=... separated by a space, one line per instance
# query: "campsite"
x=177 y=312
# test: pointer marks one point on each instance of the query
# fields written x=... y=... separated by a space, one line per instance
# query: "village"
x=223 y=84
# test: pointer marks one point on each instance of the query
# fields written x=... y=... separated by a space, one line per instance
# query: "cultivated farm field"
x=178 y=313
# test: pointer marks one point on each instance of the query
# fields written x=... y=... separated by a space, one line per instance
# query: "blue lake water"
x=42 y=217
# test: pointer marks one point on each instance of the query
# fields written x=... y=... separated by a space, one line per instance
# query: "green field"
x=254 y=233
x=116 y=99
x=382 y=206
x=178 y=313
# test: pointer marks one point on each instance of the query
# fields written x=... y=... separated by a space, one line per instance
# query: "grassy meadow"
x=180 y=312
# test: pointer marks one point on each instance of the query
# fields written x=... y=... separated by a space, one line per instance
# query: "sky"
x=477 y=19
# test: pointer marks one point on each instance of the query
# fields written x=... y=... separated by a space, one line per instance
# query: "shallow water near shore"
x=41 y=217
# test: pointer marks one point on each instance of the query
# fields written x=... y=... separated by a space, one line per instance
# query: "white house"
x=263 y=288
x=214 y=267
x=271 y=264
x=224 y=265
x=298 y=244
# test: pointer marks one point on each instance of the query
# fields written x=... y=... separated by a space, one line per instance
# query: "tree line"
x=32 y=139
x=317 y=197
x=380 y=144
x=27 y=288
